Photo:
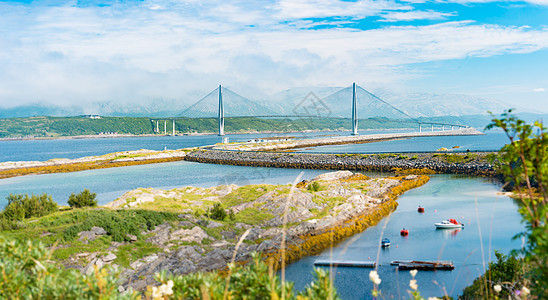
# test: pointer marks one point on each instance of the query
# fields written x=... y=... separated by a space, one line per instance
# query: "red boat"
x=420 y=209
x=404 y=232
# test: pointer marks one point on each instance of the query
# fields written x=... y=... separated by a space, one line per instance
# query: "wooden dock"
x=423 y=265
x=345 y=263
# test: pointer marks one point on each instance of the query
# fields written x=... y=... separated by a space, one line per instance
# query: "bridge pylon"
x=221 y=117
x=354 y=111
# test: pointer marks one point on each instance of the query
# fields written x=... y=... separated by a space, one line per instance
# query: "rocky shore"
x=340 y=140
x=316 y=214
x=453 y=163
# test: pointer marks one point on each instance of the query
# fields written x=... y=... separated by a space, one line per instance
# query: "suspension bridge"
x=351 y=103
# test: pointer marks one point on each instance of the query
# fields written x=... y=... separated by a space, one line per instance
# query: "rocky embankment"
x=339 y=140
x=317 y=213
x=458 y=163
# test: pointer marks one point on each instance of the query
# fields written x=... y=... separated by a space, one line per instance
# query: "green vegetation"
x=457 y=158
x=524 y=164
x=117 y=223
x=21 y=207
x=257 y=280
x=217 y=212
x=71 y=126
x=315 y=187
x=27 y=274
x=85 y=198
x=506 y=271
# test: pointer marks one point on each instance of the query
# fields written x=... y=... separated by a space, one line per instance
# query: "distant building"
x=92 y=116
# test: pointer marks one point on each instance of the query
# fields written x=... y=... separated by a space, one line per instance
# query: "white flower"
x=156 y=293
x=413 y=284
x=497 y=288
x=525 y=291
x=433 y=298
x=413 y=273
x=374 y=277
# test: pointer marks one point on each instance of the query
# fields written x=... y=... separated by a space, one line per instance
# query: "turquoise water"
x=492 y=141
x=471 y=200
x=41 y=150
x=110 y=184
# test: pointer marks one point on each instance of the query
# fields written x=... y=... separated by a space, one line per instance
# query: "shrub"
x=23 y=207
x=217 y=212
x=314 y=187
x=27 y=274
x=85 y=198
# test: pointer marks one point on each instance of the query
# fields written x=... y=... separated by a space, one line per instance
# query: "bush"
x=217 y=212
x=507 y=272
x=314 y=187
x=23 y=207
x=27 y=274
x=255 y=280
x=117 y=223
x=85 y=198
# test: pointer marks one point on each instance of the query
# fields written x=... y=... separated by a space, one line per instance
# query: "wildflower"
x=413 y=284
x=525 y=291
x=497 y=288
x=374 y=277
x=163 y=290
x=413 y=272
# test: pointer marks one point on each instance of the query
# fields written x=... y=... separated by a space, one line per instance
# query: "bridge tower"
x=221 y=113
x=354 y=111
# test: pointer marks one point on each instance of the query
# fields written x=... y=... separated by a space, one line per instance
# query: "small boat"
x=404 y=232
x=385 y=243
x=451 y=223
x=420 y=209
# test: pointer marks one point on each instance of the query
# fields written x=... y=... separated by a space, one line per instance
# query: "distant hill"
x=336 y=102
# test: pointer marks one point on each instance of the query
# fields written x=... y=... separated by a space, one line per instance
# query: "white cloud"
x=167 y=49
x=396 y=16
x=539 y=90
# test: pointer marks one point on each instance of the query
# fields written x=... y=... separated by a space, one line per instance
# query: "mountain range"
x=323 y=101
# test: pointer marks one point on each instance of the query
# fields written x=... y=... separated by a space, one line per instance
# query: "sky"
x=78 y=52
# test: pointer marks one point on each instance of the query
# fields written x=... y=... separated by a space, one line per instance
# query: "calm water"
x=471 y=200
x=445 y=196
x=41 y=150
x=492 y=141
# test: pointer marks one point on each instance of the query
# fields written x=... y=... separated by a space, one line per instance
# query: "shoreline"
x=101 y=136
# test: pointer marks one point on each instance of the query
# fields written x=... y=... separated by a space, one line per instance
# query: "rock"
x=150 y=258
x=90 y=267
x=333 y=176
x=136 y=265
x=98 y=230
x=121 y=289
x=110 y=257
x=186 y=224
x=188 y=252
x=195 y=234
x=161 y=234
x=132 y=238
x=213 y=224
x=228 y=234
x=99 y=263
x=86 y=236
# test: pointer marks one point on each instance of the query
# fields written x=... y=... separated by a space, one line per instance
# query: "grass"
x=253 y=216
x=456 y=158
x=134 y=251
x=246 y=194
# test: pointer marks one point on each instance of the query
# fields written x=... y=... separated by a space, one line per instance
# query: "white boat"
x=451 y=223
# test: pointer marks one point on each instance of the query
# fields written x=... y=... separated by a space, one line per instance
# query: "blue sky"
x=78 y=52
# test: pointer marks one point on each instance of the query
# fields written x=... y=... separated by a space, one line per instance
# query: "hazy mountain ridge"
x=287 y=102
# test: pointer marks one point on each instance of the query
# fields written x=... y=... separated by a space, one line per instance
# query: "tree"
x=524 y=164
x=85 y=198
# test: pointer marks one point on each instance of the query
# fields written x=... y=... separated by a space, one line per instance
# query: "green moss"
x=99 y=245
x=129 y=253
x=246 y=193
x=253 y=216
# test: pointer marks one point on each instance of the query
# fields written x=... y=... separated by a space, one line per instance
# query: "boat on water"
x=385 y=243
x=420 y=209
x=404 y=232
x=448 y=224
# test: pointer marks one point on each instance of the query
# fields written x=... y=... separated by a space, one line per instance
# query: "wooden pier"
x=345 y=263
x=423 y=265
